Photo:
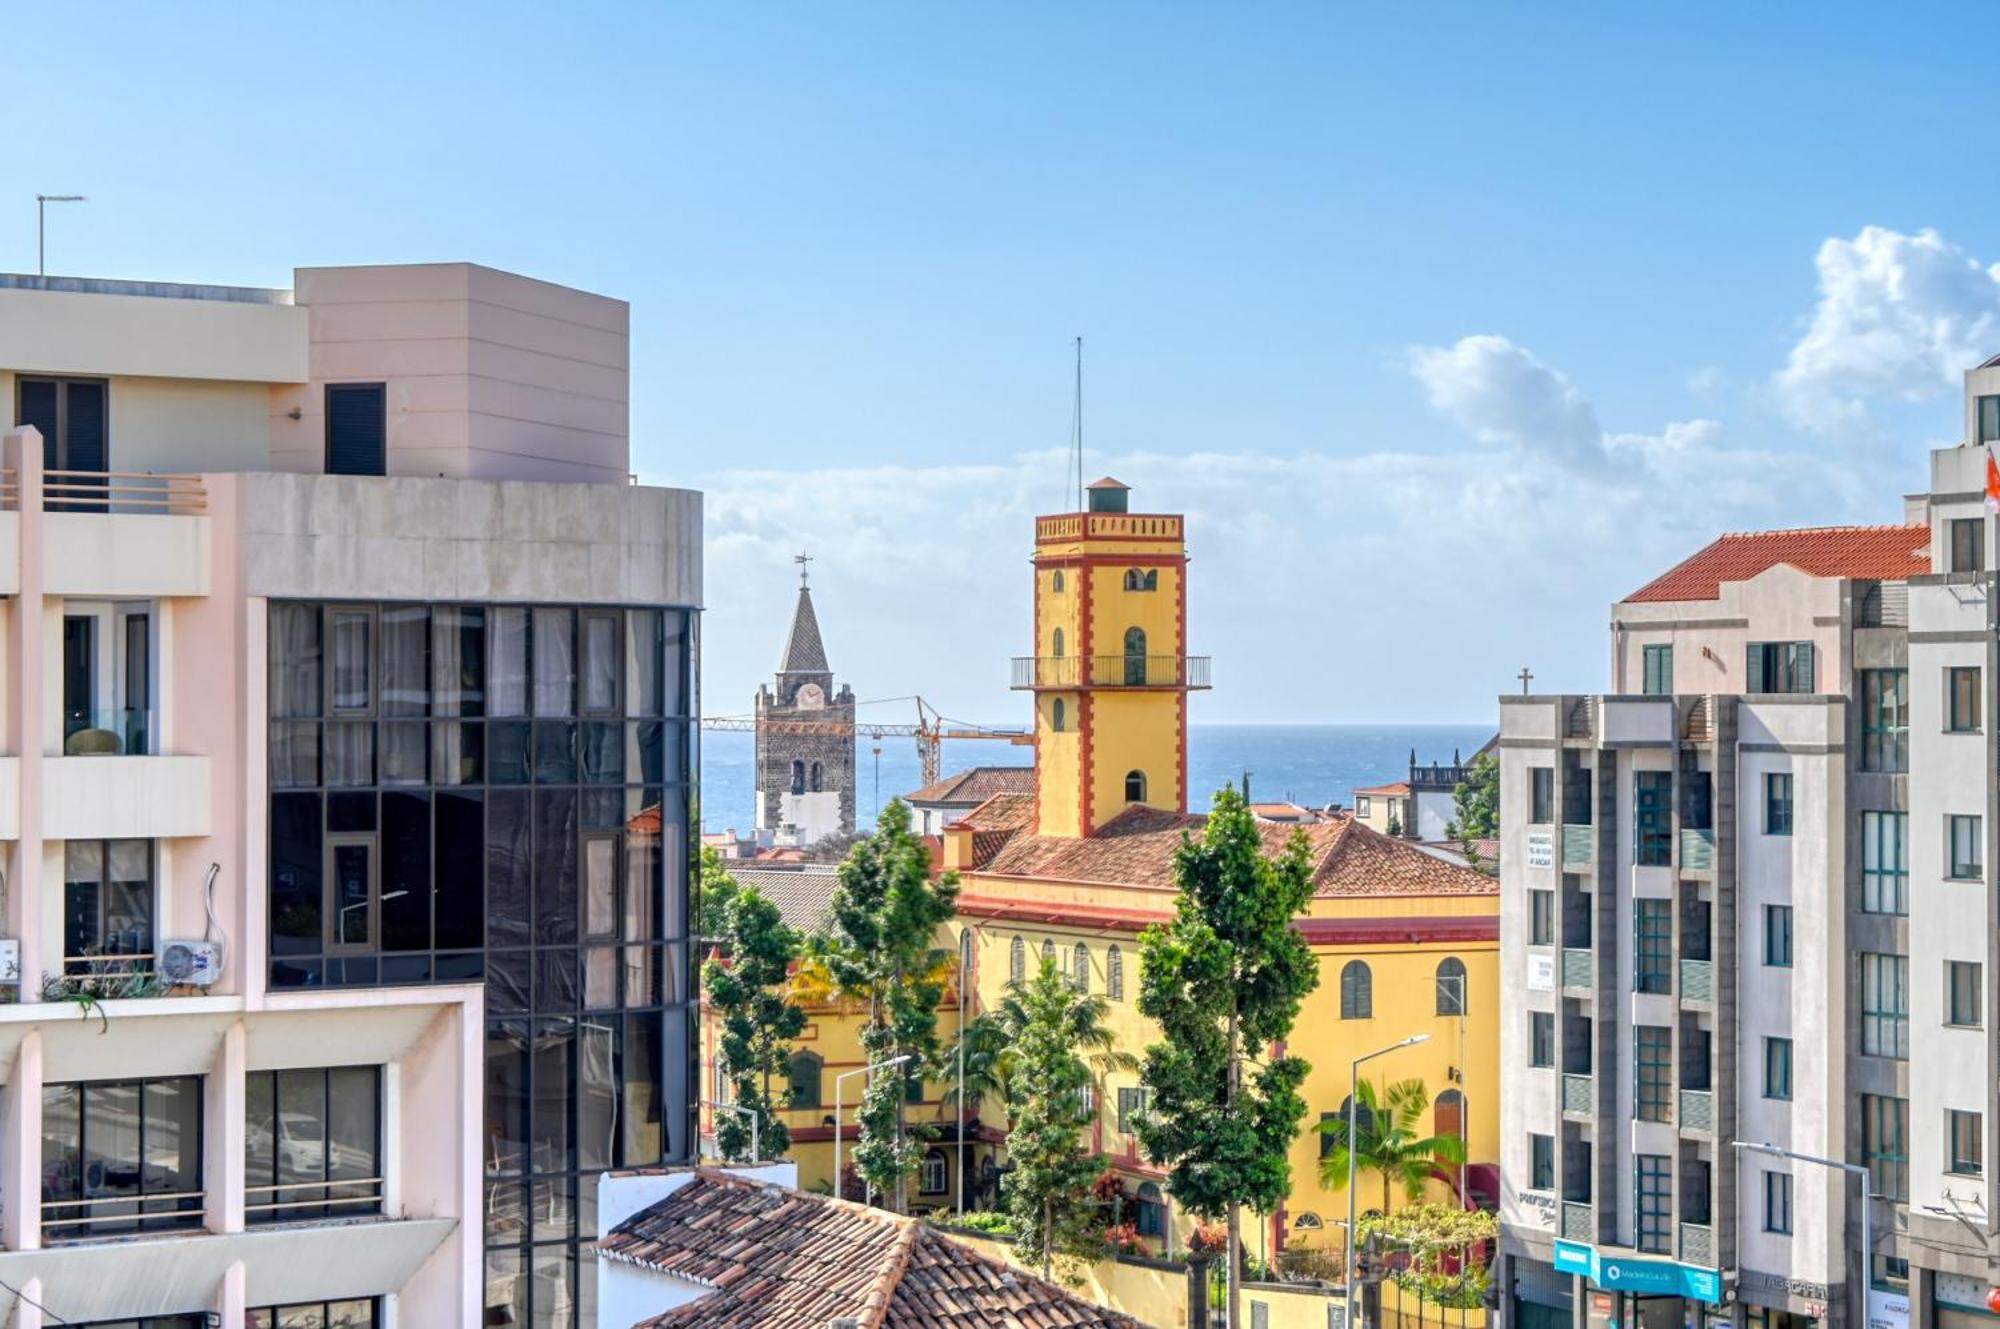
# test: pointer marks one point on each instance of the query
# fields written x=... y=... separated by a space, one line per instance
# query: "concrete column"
x=27 y=1306
x=230 y=1297
x=223 y=1141
x=21 y=1149
x=22 y=453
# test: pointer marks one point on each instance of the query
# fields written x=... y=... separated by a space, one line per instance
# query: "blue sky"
x=1446 y=325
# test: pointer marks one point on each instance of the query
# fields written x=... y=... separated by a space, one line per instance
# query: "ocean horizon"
x=1312 y=764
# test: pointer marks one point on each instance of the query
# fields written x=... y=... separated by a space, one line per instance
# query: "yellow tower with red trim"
x=1110 y=671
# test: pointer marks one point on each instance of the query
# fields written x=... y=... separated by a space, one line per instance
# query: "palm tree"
x=1386 y=1141
x=988 y=1061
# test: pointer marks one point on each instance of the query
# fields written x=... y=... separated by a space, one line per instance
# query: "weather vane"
x=802 y=559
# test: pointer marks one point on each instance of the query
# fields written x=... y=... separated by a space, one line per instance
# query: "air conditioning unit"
x=10 y=960
x=191 y=963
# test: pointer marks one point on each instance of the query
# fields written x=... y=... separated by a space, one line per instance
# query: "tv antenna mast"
x=42 y=202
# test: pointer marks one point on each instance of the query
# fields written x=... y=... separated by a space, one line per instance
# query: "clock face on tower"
x=810 y=698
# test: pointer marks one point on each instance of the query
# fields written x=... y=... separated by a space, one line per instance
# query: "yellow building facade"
x=1407 y=942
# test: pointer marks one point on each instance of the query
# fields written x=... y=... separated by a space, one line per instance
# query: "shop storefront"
x=1631 y=1293
x=1958 y=1302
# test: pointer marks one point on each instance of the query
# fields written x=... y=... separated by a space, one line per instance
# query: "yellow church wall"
x=1058 y=757
x=1113 y=609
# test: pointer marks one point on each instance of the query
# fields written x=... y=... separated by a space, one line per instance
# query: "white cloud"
x=1375 y=585
x=1900 y=317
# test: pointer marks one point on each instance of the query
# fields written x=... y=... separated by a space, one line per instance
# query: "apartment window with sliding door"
x=1653 y=1187
x=1780 y=666
x=1885 y=720
x=1885 y=863
x=121 y=1156
x=1653 y=1078
x=312 y=1144
x=1652 y=796
x=1653 y=944
x=1885 y=1005
x=74 y=417
x=107 y=911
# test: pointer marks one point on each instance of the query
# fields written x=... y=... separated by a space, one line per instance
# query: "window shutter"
x=84 y=425
x=356 y=429
x=1751 y=680
x=1802 y=678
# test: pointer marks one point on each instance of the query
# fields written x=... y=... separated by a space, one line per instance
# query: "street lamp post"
x=1867 y=1204
x=839 y=1084
x=964 y=977
x=756 y=1146
x=1353 y=1111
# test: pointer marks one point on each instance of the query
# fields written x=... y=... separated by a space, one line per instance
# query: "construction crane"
x=930 y=730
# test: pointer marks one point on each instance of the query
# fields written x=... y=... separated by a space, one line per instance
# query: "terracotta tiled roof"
x=975 y=786
x=802 y=894
x=1136 y=848
x=1400 y=787
x=1887 y=553
x=778 y=1258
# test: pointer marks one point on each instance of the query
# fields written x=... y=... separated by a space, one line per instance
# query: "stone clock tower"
x=805 y=738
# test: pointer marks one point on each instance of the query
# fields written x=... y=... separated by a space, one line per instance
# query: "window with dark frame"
x=1541 y=795
x=1885 y=1005
x=1541 y=1162
x=1541 y=917
x=1968 y=538
x=312 y=1144
x=74 y=417
x=1778 y=1068
x=1653 y=1192
x=1885 y=720
x=1963 y=988
x=360 y=1313
x=1986 y=412
x=1652 y=1072
x=1778 y=936
x=108 y=907
x=1966 y=847
x=1653 y=945
x=1653 y=796
x=1966 y=1142
x=1780 y=667
x=1777 y=803
x=1885 y=863
x=1451 y=994
x=121 y=1156
x=1885 y=1145
x=1542 y=1039
x=1778 y=1203
x=1961 y=699
x=1357 y=991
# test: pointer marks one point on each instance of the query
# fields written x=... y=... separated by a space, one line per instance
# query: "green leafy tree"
x=715 y=889
x=1061 y=1049
x=1476 y=801
x=1387 y=1142
x=880 y=952
x=748 y=986
x=1224 y=981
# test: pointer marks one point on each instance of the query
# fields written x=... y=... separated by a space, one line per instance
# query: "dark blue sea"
x=1312 y=764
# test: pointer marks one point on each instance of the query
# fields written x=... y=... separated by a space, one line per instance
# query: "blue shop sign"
x=1652 y=1278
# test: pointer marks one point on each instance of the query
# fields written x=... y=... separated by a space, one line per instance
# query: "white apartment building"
x=1747 y=897
x=346 y=763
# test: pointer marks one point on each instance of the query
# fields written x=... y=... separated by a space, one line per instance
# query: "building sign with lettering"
x=1652 y=1278
x=1541 y=972
x=1541 y=849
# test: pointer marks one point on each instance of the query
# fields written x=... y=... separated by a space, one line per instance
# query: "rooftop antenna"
x=1076 y=428
x=41 y=230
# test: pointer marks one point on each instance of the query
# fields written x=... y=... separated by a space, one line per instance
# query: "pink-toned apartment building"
x=347 y=708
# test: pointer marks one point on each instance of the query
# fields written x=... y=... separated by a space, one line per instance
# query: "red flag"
x=1992 y=482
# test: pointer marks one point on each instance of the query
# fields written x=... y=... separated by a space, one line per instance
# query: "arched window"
x=1135 y=786
x=1451 y=986
x=1357 y=992
x=1448 y=1114
x=932 y=1179
x=1135 y=657
x=1132 y=579
x=1114 y=974
x=805 y=1070
x=1017 y=961
x=818 y=775
x=1058 y=579
x=798 y=777
x=1058 y=715
x=1057 y=649
x=1048 y=950
x=1152 y=579
x=1080 y=974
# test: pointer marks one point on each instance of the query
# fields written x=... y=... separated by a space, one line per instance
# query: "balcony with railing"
x=1064 y=672
x=1579 y=968
x=1698 y=1245
x=1697 y=849
x=1146 y=526
x=1579 y=846
x=1697 y=1111
x=1579 y=1096
x=1697 y=982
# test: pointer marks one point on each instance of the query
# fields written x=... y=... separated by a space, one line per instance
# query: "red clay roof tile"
x=1886 y=553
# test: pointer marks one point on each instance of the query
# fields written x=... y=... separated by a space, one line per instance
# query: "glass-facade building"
x=504 y=794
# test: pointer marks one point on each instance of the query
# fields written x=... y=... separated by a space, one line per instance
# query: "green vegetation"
x=1224 y=980
x=1476 y=799
x=1443 y=1249
x=1386 y=1141
x=748 y=987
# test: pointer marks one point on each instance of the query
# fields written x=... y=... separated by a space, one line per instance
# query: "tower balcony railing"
x=1054 y=672
x=1107 y=525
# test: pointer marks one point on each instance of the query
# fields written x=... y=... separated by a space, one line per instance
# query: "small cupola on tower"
x=1109 y=495
x=1110 y=673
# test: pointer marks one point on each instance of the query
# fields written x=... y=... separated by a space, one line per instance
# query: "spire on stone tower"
x=804 y=652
